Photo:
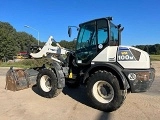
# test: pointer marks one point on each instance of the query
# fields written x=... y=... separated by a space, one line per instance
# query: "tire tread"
x=110 y=106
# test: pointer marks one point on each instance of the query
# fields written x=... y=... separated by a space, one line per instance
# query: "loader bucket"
x=18 y=79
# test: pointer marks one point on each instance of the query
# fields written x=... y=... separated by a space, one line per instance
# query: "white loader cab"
x=108 y=69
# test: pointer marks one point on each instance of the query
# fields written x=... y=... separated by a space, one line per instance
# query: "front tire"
x=104 y=91
x=47 y=83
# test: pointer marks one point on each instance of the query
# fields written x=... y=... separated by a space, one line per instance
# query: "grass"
x=155 y=57
x=27 y=63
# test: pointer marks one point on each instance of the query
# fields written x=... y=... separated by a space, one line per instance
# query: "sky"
x=140 y=18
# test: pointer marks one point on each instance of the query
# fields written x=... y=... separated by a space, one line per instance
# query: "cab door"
x=86 y=47
x=92 y=39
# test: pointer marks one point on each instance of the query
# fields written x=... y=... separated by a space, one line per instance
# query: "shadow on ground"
x=35 y=89
x=80 y=95
x=105 y=116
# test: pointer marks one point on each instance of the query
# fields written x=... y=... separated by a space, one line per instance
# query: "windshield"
x=86 y=36
x=86 y=42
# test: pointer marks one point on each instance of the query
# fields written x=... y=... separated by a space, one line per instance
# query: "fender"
x=111 y=66
x=59 y=73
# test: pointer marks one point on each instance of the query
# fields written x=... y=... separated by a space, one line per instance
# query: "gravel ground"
x=72 y=104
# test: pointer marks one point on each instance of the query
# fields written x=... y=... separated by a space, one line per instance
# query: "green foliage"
x=151 y=49
x=36 y=62
x=69 y=45
x=155 y=57
x=7 y=33
x=13 y=42
x=27 y=63
x=23 y=40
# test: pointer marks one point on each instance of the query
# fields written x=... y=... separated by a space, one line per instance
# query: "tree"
x=12 y=42
x=7 y=40
x=151 y=49
x=146 y=48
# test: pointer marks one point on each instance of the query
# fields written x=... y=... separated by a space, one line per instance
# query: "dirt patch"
x=72 y=104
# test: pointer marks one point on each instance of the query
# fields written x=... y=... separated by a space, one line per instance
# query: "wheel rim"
x=45 y=83
x=103 y=91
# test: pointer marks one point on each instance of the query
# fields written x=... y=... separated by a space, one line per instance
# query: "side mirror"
x=69 y=31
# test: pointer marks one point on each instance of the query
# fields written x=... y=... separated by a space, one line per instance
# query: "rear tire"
x=47 y=83
x=104 y=91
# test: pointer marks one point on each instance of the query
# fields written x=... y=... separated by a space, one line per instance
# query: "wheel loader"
x=108 y=69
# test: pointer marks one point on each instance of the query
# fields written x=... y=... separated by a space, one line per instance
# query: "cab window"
x=114 y=35
x=102 y=31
